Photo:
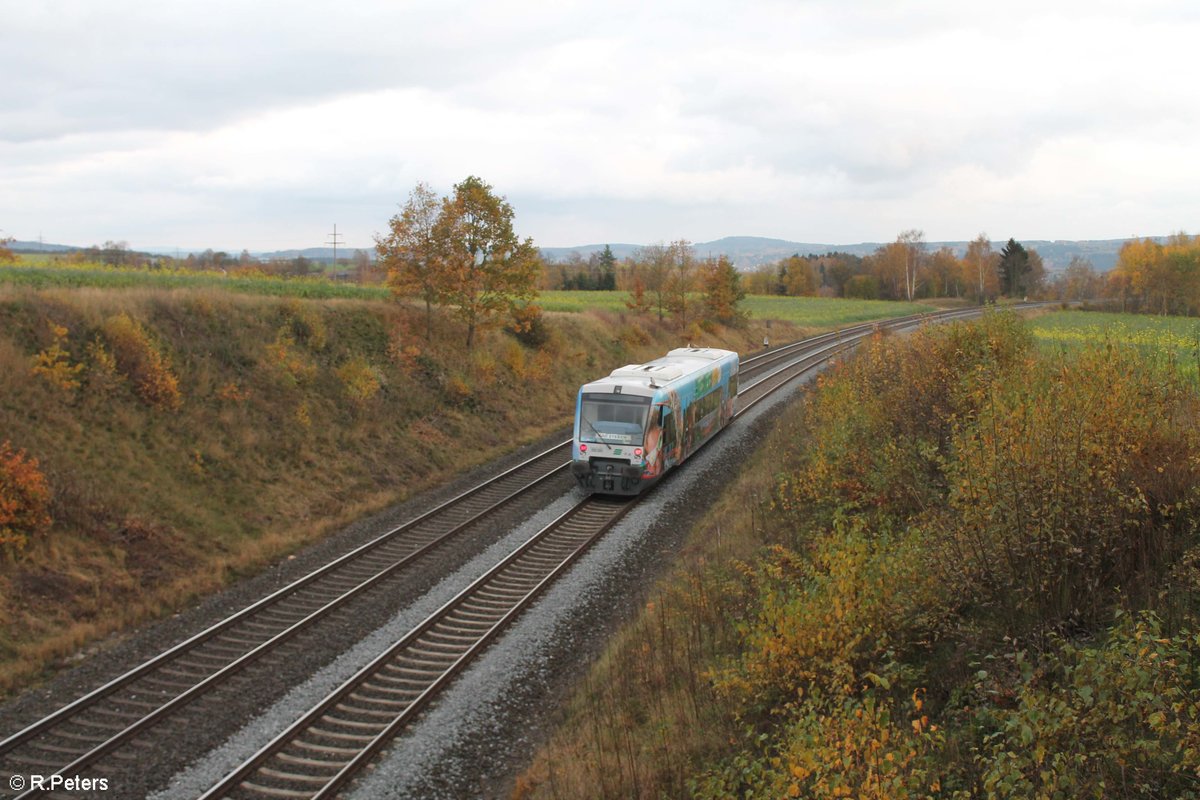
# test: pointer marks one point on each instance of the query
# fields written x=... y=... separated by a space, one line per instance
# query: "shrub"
x=139 y=359
x=529 y=326
x=231 y=393
x=881 y=424
x=304 y=325
x=102 y=373
x=1121 y=719
x=853 y=747
x=483 y=367
x=458 y=391
x=24 y=498
x=513 y=357
x=1076 y=479
x=294 y=366
x=54 y=363
x=362 y=381
x=825 y=619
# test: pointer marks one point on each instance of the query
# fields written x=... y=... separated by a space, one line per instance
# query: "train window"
x=613 y=418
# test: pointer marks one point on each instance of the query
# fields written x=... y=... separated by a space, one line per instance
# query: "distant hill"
x=311 y=253
x=748 y=252
x=18 y=246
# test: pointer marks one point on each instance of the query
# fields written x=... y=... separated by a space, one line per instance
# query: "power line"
x=333 y=240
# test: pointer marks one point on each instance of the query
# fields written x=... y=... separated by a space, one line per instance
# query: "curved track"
x=122 y=711
x=319 y=753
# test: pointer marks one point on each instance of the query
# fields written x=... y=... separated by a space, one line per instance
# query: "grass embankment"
x=190 y=436
x=967 y=569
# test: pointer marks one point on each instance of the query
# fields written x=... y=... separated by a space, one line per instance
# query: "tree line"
x=905 y=269
x=1157 y=277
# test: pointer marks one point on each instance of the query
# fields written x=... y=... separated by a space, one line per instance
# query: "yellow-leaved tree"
x=485 y=269
x=409 y=251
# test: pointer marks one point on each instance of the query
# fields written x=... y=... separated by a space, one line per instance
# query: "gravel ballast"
x=477 y=736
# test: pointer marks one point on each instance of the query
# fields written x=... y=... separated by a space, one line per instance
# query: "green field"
x=43 y=274
x=1175 y=338
x=817 y=312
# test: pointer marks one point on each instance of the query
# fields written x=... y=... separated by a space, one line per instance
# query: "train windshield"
x=613 y=418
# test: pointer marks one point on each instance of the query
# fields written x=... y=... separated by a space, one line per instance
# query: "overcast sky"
x=244 y=123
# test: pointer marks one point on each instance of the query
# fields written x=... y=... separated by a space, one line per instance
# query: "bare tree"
x=913 y=242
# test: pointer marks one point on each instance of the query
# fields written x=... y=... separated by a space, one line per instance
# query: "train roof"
x=677 y=366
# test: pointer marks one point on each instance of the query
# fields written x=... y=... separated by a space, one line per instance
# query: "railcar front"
x=635 y=425
x=610 y=430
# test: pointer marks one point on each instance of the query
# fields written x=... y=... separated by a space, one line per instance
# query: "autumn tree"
x=652 y=264
x=1035 y=276
x=763 y=279
x=412 y=254
x=723 y=291
x=680 y=278
x=979 y=267
x=485 y=270
x=837 y=272
x=912 y=243
x=1079 y=280
x=888 y=265
x=943 y=271
x=796 y=277
x=1163 y=278
x=6 y=255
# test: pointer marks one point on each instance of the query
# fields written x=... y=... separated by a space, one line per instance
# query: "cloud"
x=260 y=124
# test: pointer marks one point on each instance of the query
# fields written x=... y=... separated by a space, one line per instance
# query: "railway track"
x=122 y=712
x=322 y=751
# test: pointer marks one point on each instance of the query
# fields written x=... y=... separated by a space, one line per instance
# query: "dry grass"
x=155 y=506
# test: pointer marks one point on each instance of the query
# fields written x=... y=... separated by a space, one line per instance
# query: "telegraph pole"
x=333 y=240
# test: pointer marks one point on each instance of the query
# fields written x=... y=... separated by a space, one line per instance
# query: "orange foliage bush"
x=295 y=366
x=24 y=498
x=139 y=359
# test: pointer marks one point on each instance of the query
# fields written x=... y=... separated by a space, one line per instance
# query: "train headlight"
x=583 y=448
x=637 y=452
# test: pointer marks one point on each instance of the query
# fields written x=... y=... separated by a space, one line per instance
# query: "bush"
x=826 y=618
x=54 y=363
x=24 y=499
x=1075 y=480
x=140 y=359
x=882 y=423
x=361 y=380
x=529 y=326
x=1117 y=720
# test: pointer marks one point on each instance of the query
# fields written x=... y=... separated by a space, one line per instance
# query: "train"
x=642 y=420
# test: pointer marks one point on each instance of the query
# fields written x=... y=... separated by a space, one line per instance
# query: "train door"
x=670 y=439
